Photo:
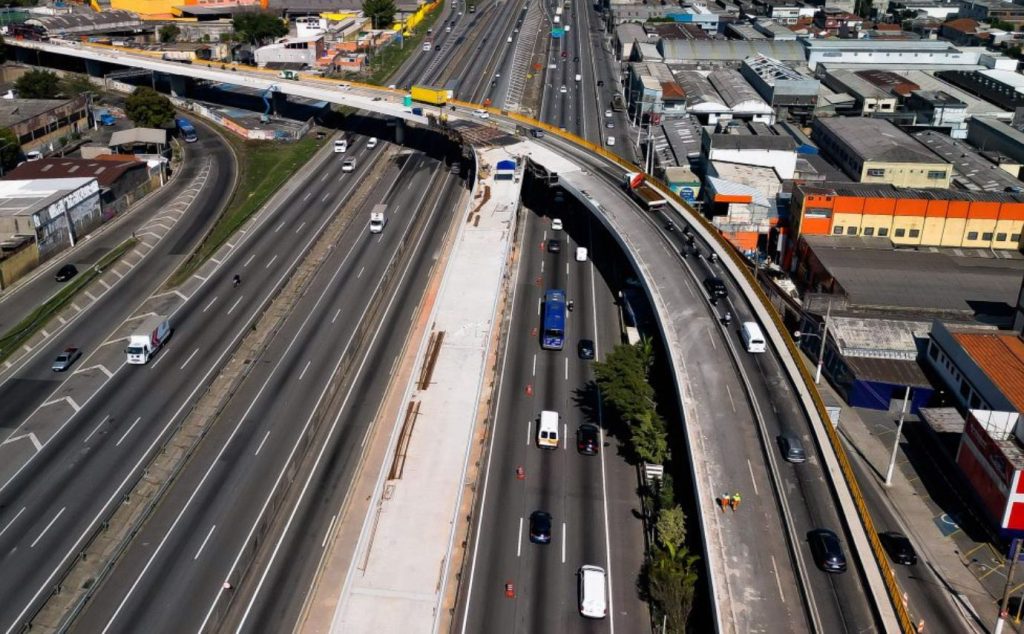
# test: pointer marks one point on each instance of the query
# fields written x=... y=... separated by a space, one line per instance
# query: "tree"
x=648 y=438
x=671 y=528
x=622 y=378
x=148 y=108
x=257 y=28
x=38 y=84
x=10 y=149
x=671 y=581
x=169 y=33
x=380 y=12
x=75 y=84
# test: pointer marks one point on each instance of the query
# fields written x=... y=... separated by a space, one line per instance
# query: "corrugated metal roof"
x=877 y=140
x=734 y=88
x=883 y=190
x=692 y=51
x=1001 y=358
x=698 y=89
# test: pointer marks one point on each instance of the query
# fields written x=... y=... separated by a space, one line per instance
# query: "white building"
x=291 y=50
x=906 y=54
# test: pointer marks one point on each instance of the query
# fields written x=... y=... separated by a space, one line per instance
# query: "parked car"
x=65 y=273
x=585 y=349
x=65 y=359
x=588 y=439
x=899 y=548
x=540 y=527
x=827 y=551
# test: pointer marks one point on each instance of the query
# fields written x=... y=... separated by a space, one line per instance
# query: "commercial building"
x=939 y=109
x=777 y=152
x=907 y=54
x=121 y=178
x=1004 y=88
x=722 y=94
x=626 y=37
x=788 y=12
x=869 y=97
x=988 y=134
x=742 y=201
x=774 y=31
x=971 y=170
x=991 y=457
x=833 y=20
x=940 y=9
x=56 y=212
x=652 y=89
x=876 y=151
x=75 y=24
x=40 y=124
x=986 y=10
x=785 y=90
x=291 y=50
x=719 y=53
x=910 y=217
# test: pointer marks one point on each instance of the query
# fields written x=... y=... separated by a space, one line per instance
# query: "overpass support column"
x=278 y=102
x=179 y=86
x=93 y=68
x=400 y=132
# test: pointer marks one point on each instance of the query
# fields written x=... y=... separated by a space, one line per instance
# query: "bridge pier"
x=93 y=68
x=179 y=86
x=278 y=102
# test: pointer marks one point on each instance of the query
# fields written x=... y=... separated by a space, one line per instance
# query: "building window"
x=936 y=175
x=975 y=401
x=851 y=231
x=837 y=231
x=972 y=235
x=965 y=390
x=987 y=236
x=915 y=233
x=900 y=233
x=1014 y=237
x=883 y=231
x=876 y=172
x=869 y=231
x=1000 y=237
x=933 y=352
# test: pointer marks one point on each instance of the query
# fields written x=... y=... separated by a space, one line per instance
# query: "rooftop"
x=694 y=51
x=914 y=46
x=734 y=88
x=1001 y=357
x=772 y=70
x=105 y=171
x=972 y=171
x=13 y=111
x=884 y=190
x=23 y=197
x=877 y=140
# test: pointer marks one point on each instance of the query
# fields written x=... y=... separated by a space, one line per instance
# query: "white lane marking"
x=753 y=480
x=271 y=261
x=189 y=359
x=301 y=226
x=534 y=364
x=248 y=260
x=203 y=545
x=565 y=436
x=563 y=542
x=326 y=196
x=233 y=306
x=540 y=305
x=360 y=273
x=711 y=338
x=303 y=373
x=265 y=436
x=157 y=362
x=324 y=177
x=567 y=368
x=335 y=315
x=279 y=227
x=48 y=526
x=519 y=540
x=210 y=305
x=125 y=435
x=778 y=582
x=330 y=527
x=529 y=428
x=96 y=429
x=308 y=194
x=542 y=266
x=366 y=434
x=12 y=521
x=731 y=401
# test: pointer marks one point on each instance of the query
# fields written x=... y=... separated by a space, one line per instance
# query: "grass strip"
x=24 y=330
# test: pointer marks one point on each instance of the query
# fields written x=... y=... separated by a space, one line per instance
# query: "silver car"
x=65 y=359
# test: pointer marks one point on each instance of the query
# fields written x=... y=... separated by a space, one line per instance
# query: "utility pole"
x=896 y=442
x=821 y=346
x=1003 y=612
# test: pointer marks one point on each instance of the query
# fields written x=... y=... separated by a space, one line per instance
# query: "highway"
x=591 y=498
x=49 y=512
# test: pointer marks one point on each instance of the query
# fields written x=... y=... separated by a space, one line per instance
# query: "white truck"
x=377 y=218
x=149 y=336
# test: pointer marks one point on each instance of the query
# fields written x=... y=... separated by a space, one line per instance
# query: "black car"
x=540 y=527
x=600 y=82
x=65 y=273
x=554 y=246
x=588 y=439
x=827 y=551
x=899 y=548
x=715 y=286
x=576 y=59
x=585 y=348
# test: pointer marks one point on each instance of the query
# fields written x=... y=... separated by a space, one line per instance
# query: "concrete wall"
x=18 y=263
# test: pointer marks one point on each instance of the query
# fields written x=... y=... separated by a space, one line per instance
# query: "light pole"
x=896 y=442
x=821 y=347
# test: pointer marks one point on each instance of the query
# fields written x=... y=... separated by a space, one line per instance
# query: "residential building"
x=876 y=151
x=832 y=20
x=651 y=87
x=962 y=32
x=910 y=217
x=41 y=124
x=787 y=12
x=987 y=10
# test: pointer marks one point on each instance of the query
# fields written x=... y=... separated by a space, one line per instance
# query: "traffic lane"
x=111 y=453
x=227 y=499
x=277 y=606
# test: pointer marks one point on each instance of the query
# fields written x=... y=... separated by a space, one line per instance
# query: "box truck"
x=148 y=337
x=646 y=195
x=433 y=96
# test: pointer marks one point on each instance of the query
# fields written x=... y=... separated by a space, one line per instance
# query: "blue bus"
x=553 y=334
x=186 y=129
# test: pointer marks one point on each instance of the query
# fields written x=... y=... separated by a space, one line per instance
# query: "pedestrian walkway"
x=973 y=570
x=401 y=566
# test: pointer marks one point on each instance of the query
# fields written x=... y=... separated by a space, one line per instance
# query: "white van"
x=340 y=146
x=610 y=140
x=547 y=430
x=579 y=77
x=593 y=592
x=426 y=46
x=753 y=338
x=372 y=143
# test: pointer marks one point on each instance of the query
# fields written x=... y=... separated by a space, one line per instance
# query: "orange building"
x=910 y=217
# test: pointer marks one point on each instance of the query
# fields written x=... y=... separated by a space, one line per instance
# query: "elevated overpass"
x=745 y=597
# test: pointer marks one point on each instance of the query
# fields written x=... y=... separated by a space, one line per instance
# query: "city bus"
x=186 y=129
x=553 y=326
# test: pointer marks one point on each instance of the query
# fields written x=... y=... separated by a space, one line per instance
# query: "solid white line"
x=36 y=541
x=731 y=401
x=529 y=428
x=248 y=260
x=567 y=368
x=12 y=521
x=519 y=539
x=753 y=480
x=128 y=432
x=366 y=434
x=534 y=364
x=267 y=435
x=565 y=436
x=330 y=527
x=271 y=261
x=542 y=266
x=778 y=582
x=212 y=302
x=234 y=305
x=563 y=542
x=279 y=227
x=335 y=315
x=304 y=369
x=301 y=226
x=203 y=545
x=360 y=273
x=567 y=269
x=96 y=429
x=189 y=359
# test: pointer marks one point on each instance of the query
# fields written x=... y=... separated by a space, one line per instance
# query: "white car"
x=349 y=165
x=610 y=140
x=377 y=222
x=481 y=113
x=563 y=90
x=607 y=113
x=556 y=224
x=581 y=254
x=372 y=143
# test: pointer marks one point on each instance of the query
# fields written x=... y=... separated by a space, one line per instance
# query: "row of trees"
x=669 y=578
x=145 y=107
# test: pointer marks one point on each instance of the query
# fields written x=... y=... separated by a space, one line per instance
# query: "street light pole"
x=821 y=346
x=896 y=442
x=1003 y=612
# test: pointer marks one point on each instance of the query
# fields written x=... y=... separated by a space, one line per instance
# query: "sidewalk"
x=974 y=570
x=399 y=573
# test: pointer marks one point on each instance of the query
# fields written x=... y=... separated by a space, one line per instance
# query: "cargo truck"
x=649 y=197
x=148 y=337
x=433 y=96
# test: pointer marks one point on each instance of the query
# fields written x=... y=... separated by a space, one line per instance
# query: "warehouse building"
x=1004 y=88
x=40 y=124
x=908 y=54
x=785 y=90
x=56 y=212
x=988 y=134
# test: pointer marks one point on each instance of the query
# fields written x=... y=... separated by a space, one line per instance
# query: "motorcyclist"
x=570 y=304
x=237 y=279
x=727 y=319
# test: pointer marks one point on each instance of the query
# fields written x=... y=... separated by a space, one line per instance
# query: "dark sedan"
x=554 y=246
x=588 y=439
x=899 y=548
x=65 y=273
x=585 y=349
x=540 y=527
